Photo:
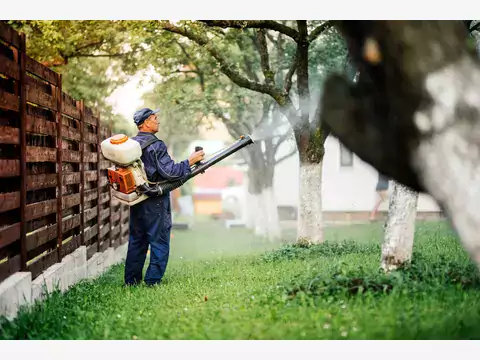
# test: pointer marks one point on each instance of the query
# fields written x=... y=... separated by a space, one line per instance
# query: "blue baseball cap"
x=141 y=115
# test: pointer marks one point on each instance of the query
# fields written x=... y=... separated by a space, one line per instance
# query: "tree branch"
x=281 y=139
x=264 y=60
x=226 y=67
x=248 y=63
x=302 y=71
x=318 y=31
x=87 y=46
x=288 y=77
x=257 y=24
x=184 y=72
x=283 y=158
x=103 y=55
x=200 y=73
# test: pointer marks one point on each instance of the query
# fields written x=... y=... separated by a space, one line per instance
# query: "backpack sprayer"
x=128 y=179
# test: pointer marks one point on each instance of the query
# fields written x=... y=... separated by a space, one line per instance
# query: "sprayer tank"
x=121 y=150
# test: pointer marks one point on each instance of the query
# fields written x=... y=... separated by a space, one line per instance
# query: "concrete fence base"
x=19 y=289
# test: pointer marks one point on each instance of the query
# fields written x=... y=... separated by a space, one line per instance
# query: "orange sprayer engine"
x=122 y=180
x=128 y=173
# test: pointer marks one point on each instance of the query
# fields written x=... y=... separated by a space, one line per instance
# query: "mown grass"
x=228 y=285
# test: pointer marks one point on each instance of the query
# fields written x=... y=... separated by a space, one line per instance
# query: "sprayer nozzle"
x=249 y=136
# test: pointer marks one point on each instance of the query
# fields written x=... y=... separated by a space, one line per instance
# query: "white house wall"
x=344 y=188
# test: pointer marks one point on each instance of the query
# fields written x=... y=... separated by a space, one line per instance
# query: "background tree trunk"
x=310 y=219
x=400 y=228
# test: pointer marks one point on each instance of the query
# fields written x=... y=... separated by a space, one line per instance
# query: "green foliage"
x=218 y=287
x=85 y=53
x=328 y=249
x=57 y=41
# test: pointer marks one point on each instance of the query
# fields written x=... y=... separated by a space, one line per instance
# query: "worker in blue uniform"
x=151 y=219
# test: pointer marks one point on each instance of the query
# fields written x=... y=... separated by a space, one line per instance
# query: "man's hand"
x=196 y=157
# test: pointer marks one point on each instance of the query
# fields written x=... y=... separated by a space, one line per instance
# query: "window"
x=346 y=157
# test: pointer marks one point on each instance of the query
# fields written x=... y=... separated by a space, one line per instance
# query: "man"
x=151 y=220
x=382 y=192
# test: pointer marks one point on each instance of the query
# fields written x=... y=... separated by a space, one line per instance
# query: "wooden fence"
x=54 y=195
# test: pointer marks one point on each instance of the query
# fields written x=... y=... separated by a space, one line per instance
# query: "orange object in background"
x=208 y=204
x=122 y=180
x=175 y=194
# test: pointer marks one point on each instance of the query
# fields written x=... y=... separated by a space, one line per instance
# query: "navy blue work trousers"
x=150 y=224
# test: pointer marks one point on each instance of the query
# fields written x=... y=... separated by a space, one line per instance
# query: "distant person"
x=382 y=192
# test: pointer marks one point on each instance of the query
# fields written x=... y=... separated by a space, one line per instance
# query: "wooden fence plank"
x=70 y=110
x=41 y=71
x=104 y=231
x=91 y=194
x=9 y=234
x=23 y=153
x=10 y=267
x=90 y=138
x=81 y=106
x=9 y=68
x=71 y=178
x=9 y=201
x=90 y=157
x=9 y=168
x=70 y=156
x=38 y=125
x=91 y=250
x=71 y=201
x=91 y=213
x=104 y=214
x=40 y=85
x=91 y=175
x=41 y=181
x=90 y=119
x=116 y=231
x=41 y=237
x=71 y=245
x=70 y=223
x=9 y=135
x=116 y=216
x=104 y=164
x=104 y=197
x=43 y=263
x=36 y=96
x=103 y=181
x=41 y=154
x=36 y=210
x=9 y=101
x=71 y=133
x=91 y=232
x=9 y=35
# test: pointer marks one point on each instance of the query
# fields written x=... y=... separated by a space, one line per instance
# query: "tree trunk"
x=310 y=219
x=400 y=228
x=419 y=124
x=250 y=209
x=271 y=211
x=261 y=216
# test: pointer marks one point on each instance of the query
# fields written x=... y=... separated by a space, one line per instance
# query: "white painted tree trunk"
x=271 y=211
x=260 y=216
x=448 y=157
x=400 y=228
x=250 y=211
x=310 y=219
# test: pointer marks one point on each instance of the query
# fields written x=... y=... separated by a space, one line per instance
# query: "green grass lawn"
x=224 y=284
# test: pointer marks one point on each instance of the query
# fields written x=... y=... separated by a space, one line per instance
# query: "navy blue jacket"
x=158 y=164
x=153 y=215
